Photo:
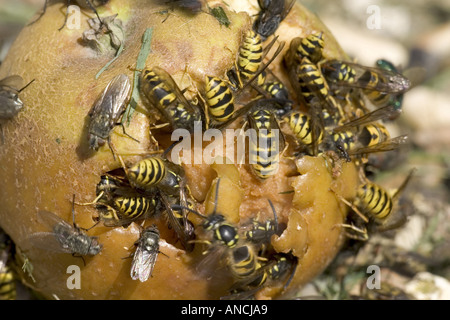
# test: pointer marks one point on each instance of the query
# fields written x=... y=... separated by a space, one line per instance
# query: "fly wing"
x=143 y=264
x=50 y=219
x=47 y=241
x=14 y=82
x=112 y=102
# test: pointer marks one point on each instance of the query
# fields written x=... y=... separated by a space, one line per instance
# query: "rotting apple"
x=45 y=159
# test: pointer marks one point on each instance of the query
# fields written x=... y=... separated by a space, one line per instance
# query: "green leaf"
x=220 y=15
x=140 y=64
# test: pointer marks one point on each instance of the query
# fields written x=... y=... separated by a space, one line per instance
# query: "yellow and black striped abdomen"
x=266 y=145
x=300 y=124
x=242 y=262
x=7 y=283
x=311 y=47
x=250 y=54
x=147 y=172
x=156 y=90
x=372 y=79
x=374 y=200
x=132 y=208
x=372 y=134
x=311 y=80
x=219 y=98
x=181 y=117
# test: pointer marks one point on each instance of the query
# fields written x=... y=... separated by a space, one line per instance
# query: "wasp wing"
x=387 y=145
x=167 y=78
x=389 y=81
x=378 y=114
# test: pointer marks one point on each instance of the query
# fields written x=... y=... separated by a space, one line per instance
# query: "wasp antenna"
x=164 y=155
x=216 y=196
x=95 y=11
x=122 y=163
x=404 y=183
x=275 y=217
x=180 y=207
x=291 y=275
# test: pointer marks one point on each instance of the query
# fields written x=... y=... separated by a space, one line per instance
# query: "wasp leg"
x=126 y=134
x=351 y=205
x=364 y=235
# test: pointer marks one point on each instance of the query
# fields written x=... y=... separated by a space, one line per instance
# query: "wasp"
x=364 y=135
x=276 y=268
x=261 y=232
x=249 y=63
x=223 y=236
x=250 y=55
x=63 y=237
x=267 y=142
x=119 y=204
x=146 y=254
x=376 y=206
x=107 y=110
x=278 y=91
x=274 y=88
x=10 y=103
x=312 y=87
x=302 y=128
x=242 y=261
x=162 y=92
x=270 y=16
x=128 y=209
x=8 y=290
x=380 y=85
x=223 y=232
x=147 y=173
x=219 y=98
x=156 y=173
x=310 y=47
x=220 y=94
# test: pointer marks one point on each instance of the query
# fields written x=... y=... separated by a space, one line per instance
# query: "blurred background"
x=414 y=260
x=415 y=36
